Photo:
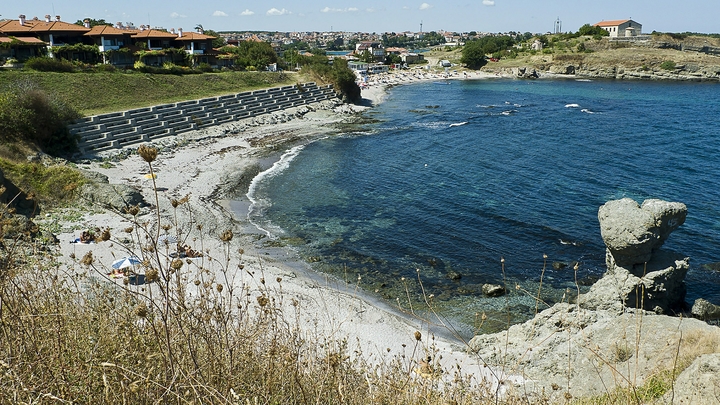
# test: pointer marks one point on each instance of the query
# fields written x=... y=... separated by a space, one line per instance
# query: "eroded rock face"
x=657 y=286
x=632 y=232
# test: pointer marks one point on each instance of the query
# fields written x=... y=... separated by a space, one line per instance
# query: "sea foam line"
x=260 y=204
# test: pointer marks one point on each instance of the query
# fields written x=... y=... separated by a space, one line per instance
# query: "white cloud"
x=488 y=2
x=274 y=11
x=177 y=15
x=425 y=6
x=219 y=13
x=247 y=12
x=339 y=10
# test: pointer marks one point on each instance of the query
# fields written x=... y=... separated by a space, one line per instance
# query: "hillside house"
x=621 y=28
x=119 y=45
x=375 y=48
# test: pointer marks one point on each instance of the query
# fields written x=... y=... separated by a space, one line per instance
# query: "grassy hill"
x=101 y=92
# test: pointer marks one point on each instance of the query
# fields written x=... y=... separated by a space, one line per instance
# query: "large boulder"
x=657 y=286
x=699 y=384
x=98 y=191
x=632 y=232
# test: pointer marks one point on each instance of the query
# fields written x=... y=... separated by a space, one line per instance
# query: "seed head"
x=151 y=275
x=148 y=153
x=418 y=335
x=87 y=260
x=133 y=210
x=219 y=288
x=262 y=300
x=226 y=236
x=176 y=264
x=104 y=235
x=141 y=310
x=128 y=229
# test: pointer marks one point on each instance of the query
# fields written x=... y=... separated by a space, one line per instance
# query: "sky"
x=536 y=16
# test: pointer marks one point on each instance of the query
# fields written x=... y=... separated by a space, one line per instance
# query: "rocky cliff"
x=657 y=58
x=615 y=336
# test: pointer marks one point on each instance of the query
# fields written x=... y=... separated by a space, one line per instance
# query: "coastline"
x=210 y=166
x=213 y=164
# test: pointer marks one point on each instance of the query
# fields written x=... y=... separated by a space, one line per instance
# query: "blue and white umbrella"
x=126 y=262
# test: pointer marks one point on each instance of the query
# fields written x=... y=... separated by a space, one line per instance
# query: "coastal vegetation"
x=69 y=335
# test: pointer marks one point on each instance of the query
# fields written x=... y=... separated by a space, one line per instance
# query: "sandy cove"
x=207 y=165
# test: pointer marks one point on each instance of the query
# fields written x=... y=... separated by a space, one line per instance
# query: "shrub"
x=205 y=67
x=28 y=113
x=105 y=68
x=668 y=65
x=45 y=64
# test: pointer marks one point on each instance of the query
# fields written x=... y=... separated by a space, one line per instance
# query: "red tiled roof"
x=194 y=36
x=611 y=23
x=25 y=40
x=107 y=31
x=154 y=34
x=37 y=26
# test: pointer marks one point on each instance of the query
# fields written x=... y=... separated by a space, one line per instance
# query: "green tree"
x=219 y=41
x=93 y=22
x=251 y=53
x=344 y=80
x=473 y=55
x=588 y=29
x=367 y=57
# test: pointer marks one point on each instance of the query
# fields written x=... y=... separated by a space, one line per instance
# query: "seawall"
x=115 y=130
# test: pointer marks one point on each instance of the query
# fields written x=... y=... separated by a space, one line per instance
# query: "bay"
x=479 y=179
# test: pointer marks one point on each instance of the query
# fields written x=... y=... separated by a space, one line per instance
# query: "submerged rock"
x=493 y=290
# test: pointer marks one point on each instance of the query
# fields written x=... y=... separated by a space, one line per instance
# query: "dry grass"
x=201 y=332
x=196 y=332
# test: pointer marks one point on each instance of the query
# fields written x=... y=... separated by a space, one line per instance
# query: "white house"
x=621 y=28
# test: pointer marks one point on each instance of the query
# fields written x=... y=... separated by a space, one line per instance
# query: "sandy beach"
x=210 y=166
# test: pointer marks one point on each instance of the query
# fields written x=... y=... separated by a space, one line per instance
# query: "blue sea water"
x=450 y=179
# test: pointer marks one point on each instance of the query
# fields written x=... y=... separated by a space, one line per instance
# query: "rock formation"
x=605 y=341
x=114 y=196
x=639 y=275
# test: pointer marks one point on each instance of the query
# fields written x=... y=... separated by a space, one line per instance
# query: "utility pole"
x=421 y=27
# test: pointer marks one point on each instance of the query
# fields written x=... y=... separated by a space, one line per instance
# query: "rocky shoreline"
x=590 y=347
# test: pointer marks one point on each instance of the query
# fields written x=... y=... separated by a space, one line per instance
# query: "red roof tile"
x=611 y=23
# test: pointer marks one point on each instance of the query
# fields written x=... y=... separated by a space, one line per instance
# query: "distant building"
x=621 y=28
x=537 y=45
x=375 y=48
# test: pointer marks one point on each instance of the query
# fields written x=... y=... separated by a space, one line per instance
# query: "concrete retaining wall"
x=115 y=130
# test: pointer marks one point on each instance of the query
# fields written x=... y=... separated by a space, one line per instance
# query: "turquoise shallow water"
x=454 y=177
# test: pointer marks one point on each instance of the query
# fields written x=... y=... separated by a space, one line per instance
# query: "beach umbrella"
x=166 y=238
x=126 y=262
